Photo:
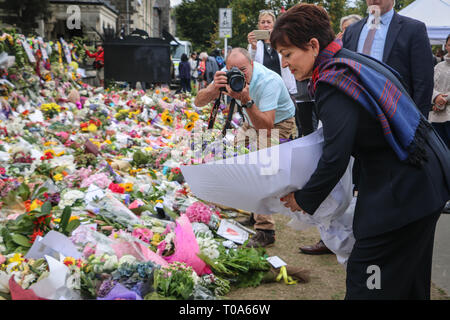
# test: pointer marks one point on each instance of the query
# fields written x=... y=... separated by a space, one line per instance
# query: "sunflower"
x=168 y=120
x=193 y=116
x=189 y=126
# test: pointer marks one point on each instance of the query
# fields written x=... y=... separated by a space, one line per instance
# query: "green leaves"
x=45 y=209
x=66 y=226
x=21 y=240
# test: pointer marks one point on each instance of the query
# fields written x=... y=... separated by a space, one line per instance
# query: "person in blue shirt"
x=267 y=105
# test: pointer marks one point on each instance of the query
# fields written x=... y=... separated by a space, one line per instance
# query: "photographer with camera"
x=266 y=105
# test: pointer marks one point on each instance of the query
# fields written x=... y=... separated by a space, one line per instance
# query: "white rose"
x=111 y=263
x=127 y=259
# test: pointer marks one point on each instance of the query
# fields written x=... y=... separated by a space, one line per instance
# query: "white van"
x=176 y=50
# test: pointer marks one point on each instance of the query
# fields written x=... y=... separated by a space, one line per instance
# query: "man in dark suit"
x=403 y=44
x=400 y=42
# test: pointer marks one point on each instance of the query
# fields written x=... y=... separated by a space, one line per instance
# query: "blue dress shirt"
x=380 y=35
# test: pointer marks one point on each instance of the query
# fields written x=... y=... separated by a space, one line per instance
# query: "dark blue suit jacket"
x=407 y=49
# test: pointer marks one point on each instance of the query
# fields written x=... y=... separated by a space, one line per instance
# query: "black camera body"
x=235 y=79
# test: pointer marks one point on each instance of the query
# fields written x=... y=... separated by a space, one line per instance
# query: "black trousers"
x=404 y=259
x=305 y=118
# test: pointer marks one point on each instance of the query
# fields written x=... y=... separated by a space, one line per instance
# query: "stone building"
x=151 y=16
x=96 y=15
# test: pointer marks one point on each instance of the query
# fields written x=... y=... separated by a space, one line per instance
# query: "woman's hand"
x=289 y=202
x=252 y=40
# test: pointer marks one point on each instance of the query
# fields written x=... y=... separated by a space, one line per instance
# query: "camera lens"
x=236 y=79
x=237 y=83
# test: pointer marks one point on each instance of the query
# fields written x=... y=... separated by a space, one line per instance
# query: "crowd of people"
x=381 y=98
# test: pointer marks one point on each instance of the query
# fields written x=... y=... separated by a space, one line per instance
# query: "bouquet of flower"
x=50 y=109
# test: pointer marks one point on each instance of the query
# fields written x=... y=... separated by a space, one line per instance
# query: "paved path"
x=441 y=255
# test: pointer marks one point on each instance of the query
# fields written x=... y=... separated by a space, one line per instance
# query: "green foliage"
x=196 y=19
x=245 y=19
x=141 y=159
x=243 y=267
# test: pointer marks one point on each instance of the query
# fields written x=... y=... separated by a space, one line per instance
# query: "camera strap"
x=214 y=110
x=233 y=104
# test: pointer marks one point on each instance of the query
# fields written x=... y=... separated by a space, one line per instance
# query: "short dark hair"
x=448 y=37
x=184 y=57
x=300 y=24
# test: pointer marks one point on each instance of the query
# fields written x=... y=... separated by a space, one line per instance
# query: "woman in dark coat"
x=404 y=180
x=185 y=73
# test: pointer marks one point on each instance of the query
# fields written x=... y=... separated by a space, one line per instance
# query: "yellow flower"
x=69 y=261
x=107 y=141
x=189 y=126
x=34 y=205
x=60 y=154
x=127 y=186
x=193 y=116
x=92 y=127
x=168 y=121
x=74 y=218
x=16 y=258
x=156 y=239
x=58 y=177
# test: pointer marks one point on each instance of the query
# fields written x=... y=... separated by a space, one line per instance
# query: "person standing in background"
x=346 y=22
x=440 y=114
x=193 y=62
x=400 y=42
x=184 y=70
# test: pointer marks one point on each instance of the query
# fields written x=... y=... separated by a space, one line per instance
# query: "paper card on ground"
x=232 y=232
x=276 y=262
x=53 y=242
x=93 y=193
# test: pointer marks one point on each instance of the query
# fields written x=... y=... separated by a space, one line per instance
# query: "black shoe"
x=318 y=248
x=249 y=222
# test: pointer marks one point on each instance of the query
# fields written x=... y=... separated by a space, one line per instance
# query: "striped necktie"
x=367 y=48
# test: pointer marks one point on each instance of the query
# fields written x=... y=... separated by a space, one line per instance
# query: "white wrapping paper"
x=255 y=182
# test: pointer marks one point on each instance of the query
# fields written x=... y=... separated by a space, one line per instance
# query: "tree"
x=196 y=20
x=245 y=19
x=25 y=13
x=361 y=6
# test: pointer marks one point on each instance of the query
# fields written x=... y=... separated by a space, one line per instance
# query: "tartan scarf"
x=403 y=125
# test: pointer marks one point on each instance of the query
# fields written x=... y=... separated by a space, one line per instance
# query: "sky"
x=173 y=3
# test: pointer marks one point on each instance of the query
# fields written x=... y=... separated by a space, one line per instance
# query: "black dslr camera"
x=236 y=80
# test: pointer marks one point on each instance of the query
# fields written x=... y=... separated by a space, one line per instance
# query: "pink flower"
x=13 y=216
x=168 y=229
x=161 y=247
x=199 y=212
x=63 y=135
x=100 y=179
x=143 y=234
x=2 y=259
x=2 y=170
x=88 y=251
x=135 y=204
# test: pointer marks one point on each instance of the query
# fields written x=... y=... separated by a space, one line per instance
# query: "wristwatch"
x=248 y=104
